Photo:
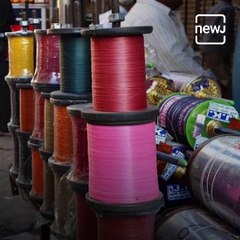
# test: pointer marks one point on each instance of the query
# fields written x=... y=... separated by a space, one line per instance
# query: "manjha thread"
x=26 y=109
x=47 y=60
x=21 y=56
x=63 y=142
x=129 y=151
x=80 y=169
x=75 y=64
x=37 y=174
x=118 y=73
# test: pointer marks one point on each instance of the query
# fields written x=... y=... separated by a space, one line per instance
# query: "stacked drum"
x=123 y=189
x=21 y=69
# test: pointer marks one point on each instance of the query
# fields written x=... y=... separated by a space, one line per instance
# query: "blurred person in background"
x=7 y=18
x=168 y=41
x=219 y=57
x=124 y=7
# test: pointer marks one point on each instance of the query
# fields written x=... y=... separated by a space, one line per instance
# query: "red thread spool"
x=37 y=174
x=122 y=156
x=80 y=169
x=118 y=71
x=26 y=97
x=47 y=63
x=126 y=221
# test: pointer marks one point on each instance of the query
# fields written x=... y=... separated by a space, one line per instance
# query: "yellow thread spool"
x=21 y=54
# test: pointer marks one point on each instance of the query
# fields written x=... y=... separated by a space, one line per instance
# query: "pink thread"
x=122 y=163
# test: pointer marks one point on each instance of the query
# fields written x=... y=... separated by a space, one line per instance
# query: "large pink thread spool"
x=214 y=176
x=122 y=156
x=78 y=176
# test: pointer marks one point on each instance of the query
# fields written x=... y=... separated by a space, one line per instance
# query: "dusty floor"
x=18 y=219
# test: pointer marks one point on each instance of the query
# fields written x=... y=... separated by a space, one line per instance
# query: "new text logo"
x=205 y=29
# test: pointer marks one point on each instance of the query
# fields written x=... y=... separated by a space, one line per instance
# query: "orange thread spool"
x=26 y=96
x=62 y=132
x=37 y=174
x=63 y=150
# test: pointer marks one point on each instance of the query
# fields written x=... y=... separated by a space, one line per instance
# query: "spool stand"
x=75 y=87
x=63 y=225
x=26 y=119
x=46 y=79
x=21 y=67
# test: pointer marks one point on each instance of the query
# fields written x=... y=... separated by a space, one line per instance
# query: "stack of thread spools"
x=45 y=79
x=123 y=188
x=21 y=69
x=75 y=88
x=79 y=174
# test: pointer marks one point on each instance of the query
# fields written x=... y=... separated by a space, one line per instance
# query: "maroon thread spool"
x=78 y=176
x=127 y=221
x=193 y=223
x=214 y=176
x=47 y=59
x=118 y=71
